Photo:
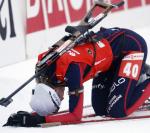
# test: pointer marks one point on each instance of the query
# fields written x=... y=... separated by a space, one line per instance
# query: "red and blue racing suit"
x=116 y=62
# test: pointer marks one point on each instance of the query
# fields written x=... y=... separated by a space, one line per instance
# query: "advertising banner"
x=12 y=31
x=46 y=19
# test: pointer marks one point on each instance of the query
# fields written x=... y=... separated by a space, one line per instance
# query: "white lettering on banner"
x=12 y=31
x=33 y=9
x=6 y=20
x=51 y=8
x=67 y=10
x=76 y=5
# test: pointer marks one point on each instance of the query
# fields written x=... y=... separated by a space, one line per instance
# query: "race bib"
x=131 y=65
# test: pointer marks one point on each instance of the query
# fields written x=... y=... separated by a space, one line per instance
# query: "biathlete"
x=114 y=58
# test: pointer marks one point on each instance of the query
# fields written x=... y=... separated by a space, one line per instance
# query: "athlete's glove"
x=24 y=119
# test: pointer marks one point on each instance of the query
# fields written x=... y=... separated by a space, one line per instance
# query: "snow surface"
x=11 y=77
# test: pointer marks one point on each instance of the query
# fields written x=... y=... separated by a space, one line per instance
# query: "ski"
x=89 y=117
x=102 y=119
x=144 y=107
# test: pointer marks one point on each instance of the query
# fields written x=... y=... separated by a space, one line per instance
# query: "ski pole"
x=6 y=101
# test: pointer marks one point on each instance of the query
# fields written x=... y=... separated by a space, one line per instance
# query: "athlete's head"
x=46 y=100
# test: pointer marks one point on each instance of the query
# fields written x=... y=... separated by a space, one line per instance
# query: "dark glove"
x=24 y=119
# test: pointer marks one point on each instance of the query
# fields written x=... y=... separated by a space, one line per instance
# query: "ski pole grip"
x=5 y=101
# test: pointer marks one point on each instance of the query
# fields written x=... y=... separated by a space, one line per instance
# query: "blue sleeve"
x=73 y=77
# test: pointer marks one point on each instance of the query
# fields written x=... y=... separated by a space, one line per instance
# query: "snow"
x=11 y=77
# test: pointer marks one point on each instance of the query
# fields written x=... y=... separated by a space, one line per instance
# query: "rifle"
x=76 y=35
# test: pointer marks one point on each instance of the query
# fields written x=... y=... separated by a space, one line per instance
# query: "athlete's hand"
x=24 y=119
